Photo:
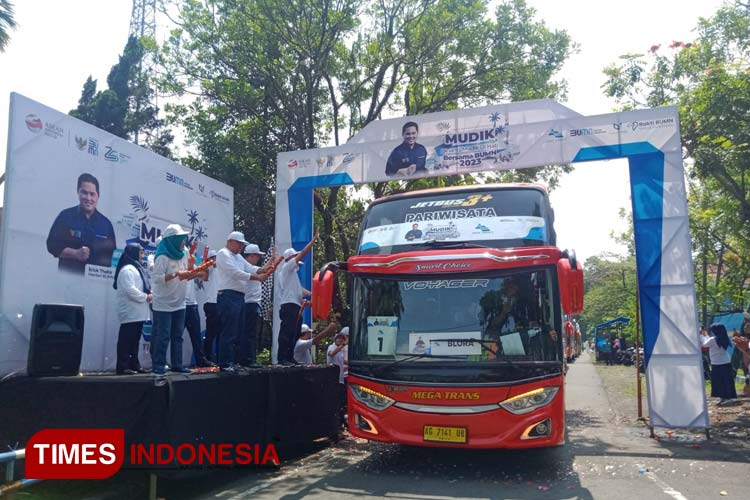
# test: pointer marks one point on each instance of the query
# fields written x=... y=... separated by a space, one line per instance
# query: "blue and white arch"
x=538 y=133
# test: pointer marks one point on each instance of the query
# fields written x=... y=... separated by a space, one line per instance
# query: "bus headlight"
x=530 y=401
x=370 y=398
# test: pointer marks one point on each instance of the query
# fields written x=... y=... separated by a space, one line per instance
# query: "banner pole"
x=638 y=350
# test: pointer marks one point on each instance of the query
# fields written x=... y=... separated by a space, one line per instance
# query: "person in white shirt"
x=213 y=323
x=193 y=318
x=722 y=380
x=336 y=355
x=248 y=343
x=133 y=296
x=291 y=294
x=303 y=347
x=169 y=289
x=231 y=275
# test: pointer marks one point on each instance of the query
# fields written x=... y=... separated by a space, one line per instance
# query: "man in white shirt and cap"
x=248 y=342
x=231 y=276
x=303 y=347
x=291 y=294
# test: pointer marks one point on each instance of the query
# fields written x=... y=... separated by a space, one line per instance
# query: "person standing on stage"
x=291 y=294
x=232 y=275
x=193 y=320
x=133 y=297
x=169 y=288
x=248 y=343
x=213 y=324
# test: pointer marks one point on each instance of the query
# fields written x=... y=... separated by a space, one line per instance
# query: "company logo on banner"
x=34 y=123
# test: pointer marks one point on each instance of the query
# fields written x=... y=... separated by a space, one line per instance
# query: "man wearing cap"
x=291 y=294
x=337 y=354
x=232 y=276
x=253 y=296
x=303 y=347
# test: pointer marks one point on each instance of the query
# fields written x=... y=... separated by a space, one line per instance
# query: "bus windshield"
x=507 y=317
x=498 y=218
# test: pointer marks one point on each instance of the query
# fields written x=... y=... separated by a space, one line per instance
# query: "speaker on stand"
x=56 y=340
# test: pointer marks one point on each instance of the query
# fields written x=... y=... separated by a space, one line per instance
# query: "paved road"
x=601 y=460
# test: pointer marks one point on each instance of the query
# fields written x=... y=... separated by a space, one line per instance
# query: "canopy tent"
x=531 y=134
x=599 y=335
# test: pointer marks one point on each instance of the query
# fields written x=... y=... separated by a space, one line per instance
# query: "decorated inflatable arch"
x=532 y=134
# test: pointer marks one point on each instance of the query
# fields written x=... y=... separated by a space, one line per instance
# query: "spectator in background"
x=722 y=383
x=742 y=346
x=606 y=350
x=336 y=355
x=303 y=347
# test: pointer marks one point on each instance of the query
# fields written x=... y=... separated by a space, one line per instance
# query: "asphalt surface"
x=602 y=459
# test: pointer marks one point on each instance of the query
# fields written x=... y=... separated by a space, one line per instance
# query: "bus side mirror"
x=570 y=279
x=322 y=294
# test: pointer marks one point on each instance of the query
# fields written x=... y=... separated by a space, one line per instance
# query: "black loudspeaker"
x=56 y=340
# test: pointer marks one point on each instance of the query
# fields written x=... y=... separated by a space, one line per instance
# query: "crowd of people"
x=164 y=292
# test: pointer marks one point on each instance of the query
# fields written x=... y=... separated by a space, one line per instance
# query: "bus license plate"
x=445 y=434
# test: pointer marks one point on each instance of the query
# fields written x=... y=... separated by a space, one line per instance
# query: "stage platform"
x=286 y=406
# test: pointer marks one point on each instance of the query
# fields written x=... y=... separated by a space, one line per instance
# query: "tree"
x=269 y=76
x=340 y=65
x=610 y=287
x=124 y=108
x=7 y=23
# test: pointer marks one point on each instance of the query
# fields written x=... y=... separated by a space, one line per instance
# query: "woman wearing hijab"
x=169 y=289
x=722 y=382
x=133 y=296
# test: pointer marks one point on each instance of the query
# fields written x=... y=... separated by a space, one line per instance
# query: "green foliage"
x=709 y=80
x=610 y=288
x=124 y=108
x=270 y=76
x=7 y=23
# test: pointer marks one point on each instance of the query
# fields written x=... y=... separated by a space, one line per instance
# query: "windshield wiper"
x=411 y=357
x=452 y=244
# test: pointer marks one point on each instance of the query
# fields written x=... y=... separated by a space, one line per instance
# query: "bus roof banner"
x=60 y=169
x=532 y=134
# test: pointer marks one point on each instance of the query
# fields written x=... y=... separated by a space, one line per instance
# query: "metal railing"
x=9 y=487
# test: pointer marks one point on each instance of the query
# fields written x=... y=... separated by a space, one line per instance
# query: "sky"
x=57 y=45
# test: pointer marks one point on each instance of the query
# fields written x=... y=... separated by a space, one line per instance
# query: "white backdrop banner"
x=139 y=194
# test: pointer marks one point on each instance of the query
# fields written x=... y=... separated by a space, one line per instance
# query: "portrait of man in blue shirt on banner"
x=81 y=235
x=408 y=157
